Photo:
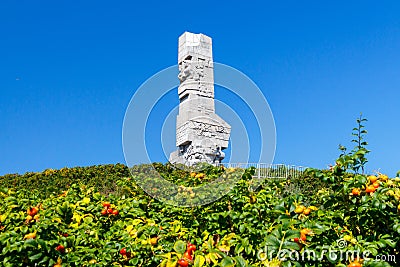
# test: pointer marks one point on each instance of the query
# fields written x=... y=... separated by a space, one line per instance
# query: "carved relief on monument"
x=181 y=134
x=204 y=110
x=185 y=70
x=191 y=69
x=201 y=129
x=204 y=151
x=205 y=90
x=198 y=70
x=209 y=130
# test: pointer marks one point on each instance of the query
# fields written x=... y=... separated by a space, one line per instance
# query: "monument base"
x=198 y=151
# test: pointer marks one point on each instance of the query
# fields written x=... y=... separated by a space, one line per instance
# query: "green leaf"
x=36 y=257
x=320 y=213
x=373 y=251
x=273 y=242
x=290 y=245
x=239 y=247
x=199 y=261
x=227 y=262
x=30 y=243
x=88 y=219
x=134 y=261
x=180 y=247
x=240 y=261
x=44 y=260
x=215 y=216
x=290 y=234
x=389 y=242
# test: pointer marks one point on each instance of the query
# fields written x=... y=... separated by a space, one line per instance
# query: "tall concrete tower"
x=201 y=135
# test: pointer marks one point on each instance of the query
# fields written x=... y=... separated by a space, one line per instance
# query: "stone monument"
x=201 y=135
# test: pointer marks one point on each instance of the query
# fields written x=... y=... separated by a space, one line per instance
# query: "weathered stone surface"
x=201 y=135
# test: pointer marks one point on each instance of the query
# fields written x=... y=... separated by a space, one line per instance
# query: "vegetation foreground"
x=99 y=216
x=108 y=220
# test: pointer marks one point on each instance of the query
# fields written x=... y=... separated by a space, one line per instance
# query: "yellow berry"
x=299 y=209
x=372 y=178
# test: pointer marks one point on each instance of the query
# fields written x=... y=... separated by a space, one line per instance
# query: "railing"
x=263 y=170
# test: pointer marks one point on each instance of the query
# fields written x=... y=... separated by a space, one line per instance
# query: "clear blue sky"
x=69 y=68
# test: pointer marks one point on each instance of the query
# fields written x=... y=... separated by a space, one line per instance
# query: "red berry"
x=60 y=248
x=104 y=212
x=191 y=247
x=183 y=263
x=34 y=210
x=65 y=235
x=115 y=212
x=188 y=255
x=296 y=239
x=109 y=211
x=122 y=251
x=106 y=204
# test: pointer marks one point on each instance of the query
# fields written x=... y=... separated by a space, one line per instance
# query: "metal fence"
x=263 y=170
